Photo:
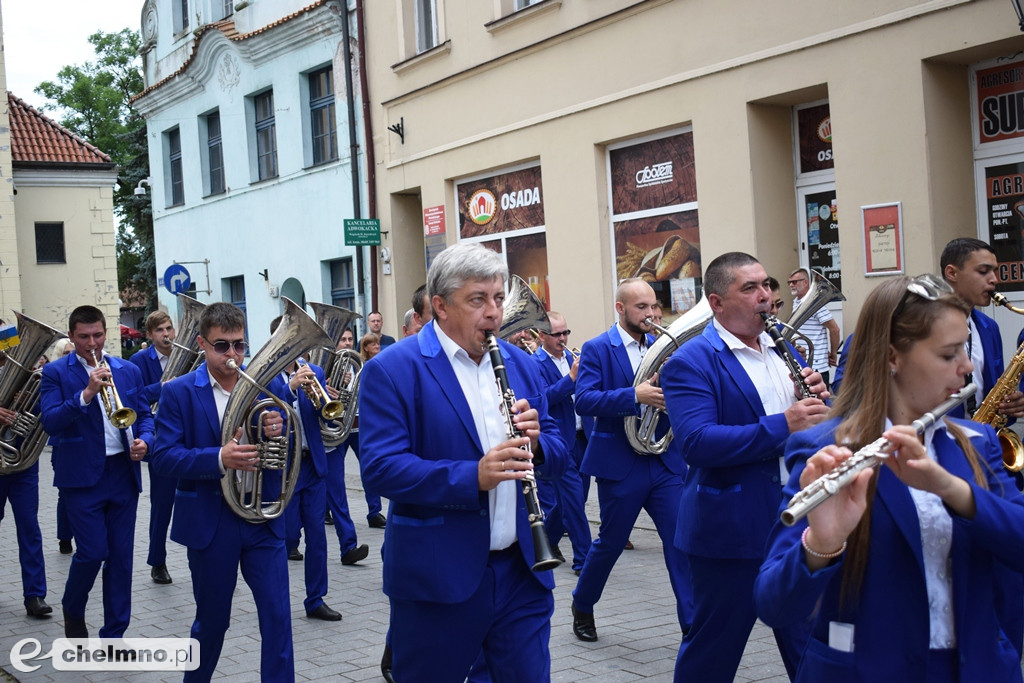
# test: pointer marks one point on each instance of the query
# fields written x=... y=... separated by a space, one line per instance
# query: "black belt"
x=512 y=549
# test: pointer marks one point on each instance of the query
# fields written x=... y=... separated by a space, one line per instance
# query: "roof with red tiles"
x=227 y=28
x=38 y=139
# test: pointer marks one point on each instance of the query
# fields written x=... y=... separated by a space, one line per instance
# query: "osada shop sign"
x=509 y=201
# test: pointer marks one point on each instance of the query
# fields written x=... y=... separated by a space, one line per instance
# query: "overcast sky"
x=41 y=37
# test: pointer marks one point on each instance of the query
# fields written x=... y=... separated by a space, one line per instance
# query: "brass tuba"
x=185 y=353
x=23 y=441
x=243 y=491
x=522 y=311
x=641 y=431
x=821 y=292
x=341 y=368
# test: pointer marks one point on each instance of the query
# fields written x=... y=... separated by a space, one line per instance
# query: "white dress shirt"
x=111 y=434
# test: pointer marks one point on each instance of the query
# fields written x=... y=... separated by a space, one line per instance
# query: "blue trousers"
x=652 y=487
x=568 y=514
x=22 y=490
x=337 y=500
x=103 y=522
x=264 y=564
x=373 y=504
x=161 y=502
x=509 y=617
x=306 y=511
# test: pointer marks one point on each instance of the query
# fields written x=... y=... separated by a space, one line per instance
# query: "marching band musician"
x=309 y=499
x=559 y=368
x=626 y=480
x=896 y=570
x=457 y=546
x=96 y=467
x=151 y=362
x=188 y=447
x=732 y=405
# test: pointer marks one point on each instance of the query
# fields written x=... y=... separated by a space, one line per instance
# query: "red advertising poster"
x=1000 y=97
x=814 y=128
x=653 y=175
x=433 y=220
x=1004 y=194
x=500 y=203
x=883 y=239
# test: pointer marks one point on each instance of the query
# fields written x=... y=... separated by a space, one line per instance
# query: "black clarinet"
x=544 y=559
x=770 y=322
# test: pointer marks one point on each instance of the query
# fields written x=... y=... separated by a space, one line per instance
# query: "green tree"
x=93 y=100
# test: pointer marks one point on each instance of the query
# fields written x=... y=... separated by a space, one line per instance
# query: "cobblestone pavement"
x=636 y=618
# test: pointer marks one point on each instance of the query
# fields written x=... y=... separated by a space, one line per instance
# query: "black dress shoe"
x=325 y=613
x=558 y=554
x=583 y=625
x=385 y=665
x=74 y=627
x=629 y=544
x=355 y=555
x=65 y=548
x=378 y=521
x=37 y=607
x=328 y=519
x=159 y=574
x=294 y=554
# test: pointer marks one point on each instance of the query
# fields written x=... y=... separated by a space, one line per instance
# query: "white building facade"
x=251 y=158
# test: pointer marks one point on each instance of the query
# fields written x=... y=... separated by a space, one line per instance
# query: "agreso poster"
x=500 y=203
x=655 y=225
x=1000 y=96
x=1004 y=190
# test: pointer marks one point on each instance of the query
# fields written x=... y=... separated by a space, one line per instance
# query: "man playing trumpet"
x=96 y=467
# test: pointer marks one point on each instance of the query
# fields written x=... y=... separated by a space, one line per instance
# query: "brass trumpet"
x=328 y=408
x=119 y=416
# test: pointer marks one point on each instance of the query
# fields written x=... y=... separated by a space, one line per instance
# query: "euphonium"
x=641 y=432
x=119 y=416
x=243 y=491
x=22 y=441
x=988 y=412
x=185 y=348
x=341 y=369
x=523 y=310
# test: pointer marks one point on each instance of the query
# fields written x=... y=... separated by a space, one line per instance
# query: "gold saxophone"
x=988 y=412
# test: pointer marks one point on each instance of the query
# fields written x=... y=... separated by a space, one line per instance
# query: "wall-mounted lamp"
x=266 y=274
x=1020 y=13
x=399 y=128
x=140 y=191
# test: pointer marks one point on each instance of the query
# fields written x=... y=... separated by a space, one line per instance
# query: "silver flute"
x=869 y=457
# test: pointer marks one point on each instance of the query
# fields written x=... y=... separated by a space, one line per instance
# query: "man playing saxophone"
x=189 y=448
x=96 y=467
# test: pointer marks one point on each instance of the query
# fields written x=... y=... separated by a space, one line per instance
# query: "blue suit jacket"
x=604 y=390
x=311 y=436
x=147 y=361
x=732 y=491
x=559 y=393
x=187 y=448
x=76 y=432
x=419 y=448
x=891 y=616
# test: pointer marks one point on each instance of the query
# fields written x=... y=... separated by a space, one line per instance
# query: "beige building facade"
x=591 y=140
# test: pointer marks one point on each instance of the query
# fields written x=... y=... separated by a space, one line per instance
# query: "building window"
x=343 y=291
x=426 y=25
x=175 y=180
x=266 y=136
x=214 y=155
x=233 y=289
x=227 y=8
x=50 y=243
x=523 y=4
x=180 y=15
x=323 y=125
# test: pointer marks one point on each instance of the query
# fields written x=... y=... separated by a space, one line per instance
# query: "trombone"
x=119 y=416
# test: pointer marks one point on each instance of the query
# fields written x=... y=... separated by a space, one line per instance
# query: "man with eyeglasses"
x=189 y=447
x=777 y=303
x=559 y=368
x=821 y=328
x=627 y=481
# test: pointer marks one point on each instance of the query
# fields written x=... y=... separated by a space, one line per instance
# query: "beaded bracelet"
x=815 y=553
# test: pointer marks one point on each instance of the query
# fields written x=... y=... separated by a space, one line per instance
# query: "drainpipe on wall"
x=371 y=176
